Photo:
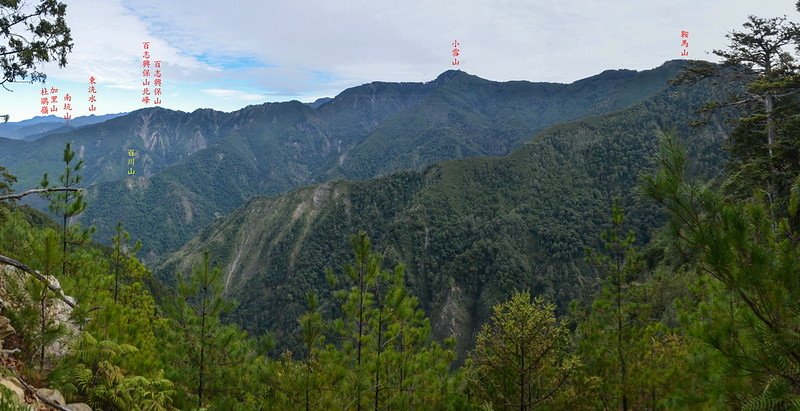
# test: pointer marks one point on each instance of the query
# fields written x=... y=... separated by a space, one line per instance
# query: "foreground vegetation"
x=702 y=317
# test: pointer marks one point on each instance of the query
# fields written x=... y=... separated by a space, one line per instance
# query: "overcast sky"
x=229 y=54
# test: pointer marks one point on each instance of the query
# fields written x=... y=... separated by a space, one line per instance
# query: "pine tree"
x=312 y=327
x=120 y=256
x=200 y=303
x=521 y=357
x=34 y=33
x=629 y=354
x=7 y=180
x=619 y=263
x=751 y=261
x=47 y=255
x=67 y=204
x=205 y=285
x=416 y=370
x=761 y=48
x=385 y=357
x=357 y=307
x=762 y=145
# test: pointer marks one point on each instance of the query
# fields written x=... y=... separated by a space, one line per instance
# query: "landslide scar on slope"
x=318 y=200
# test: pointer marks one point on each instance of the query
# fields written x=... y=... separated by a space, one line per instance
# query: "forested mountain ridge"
x=467 y=116
x=470 y=231
x=40 y=126
x=205 y=164
x=160 y=136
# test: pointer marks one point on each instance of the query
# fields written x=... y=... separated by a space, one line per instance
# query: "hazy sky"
x=229 y=54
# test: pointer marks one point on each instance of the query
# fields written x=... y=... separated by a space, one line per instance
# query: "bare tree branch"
x=17 y=196
x=59 y=292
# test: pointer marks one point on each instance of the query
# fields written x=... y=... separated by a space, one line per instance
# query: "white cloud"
x=277 y=49
x=108 y=44
x=357 y=41
x=234 y=95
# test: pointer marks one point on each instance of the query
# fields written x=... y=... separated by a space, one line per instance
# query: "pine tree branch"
x=17 y=196
x=59 y=292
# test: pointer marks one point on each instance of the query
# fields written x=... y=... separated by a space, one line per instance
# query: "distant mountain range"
x=195 y=167
x=470 y=231
x=481 y=187
x=38 y=127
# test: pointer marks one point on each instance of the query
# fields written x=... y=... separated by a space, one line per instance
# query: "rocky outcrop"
x=39 y=399
x=58 y=307
x=50 y=395
x=6 y=329
x=13 y=385
x=59 y=310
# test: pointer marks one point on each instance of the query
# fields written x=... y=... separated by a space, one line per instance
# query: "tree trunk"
x=309 y=347
x=43 y=326
x=308 y=374
x=769 y=108
x=202 y=362
x=378 y=361
x=64 y=226
x=201 y=371
x=622 y=368
x=522 y=406
x=116 y=271
x=64 y=248
x=361 y=287
x=402 y=353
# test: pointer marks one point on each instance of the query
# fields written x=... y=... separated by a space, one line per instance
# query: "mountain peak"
x=450 y=75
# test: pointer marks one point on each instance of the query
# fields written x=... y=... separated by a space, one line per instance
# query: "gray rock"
x=12 y=385
x=51 y=395
x=5 y=328
x=79 y=407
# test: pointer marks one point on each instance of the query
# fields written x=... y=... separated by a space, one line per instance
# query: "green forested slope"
x=470 y=117
x=365 y=131
x=160 y=137
x=470 y=231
